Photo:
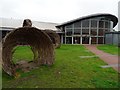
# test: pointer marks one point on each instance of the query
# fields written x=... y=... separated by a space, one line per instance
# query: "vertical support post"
x=81 y=33
x=72 y=39
x=72 y=32
x=104 y=32
x=65 y=34
x=61 y=39
x=103 y=39
x=97 y=31
x=89 y=31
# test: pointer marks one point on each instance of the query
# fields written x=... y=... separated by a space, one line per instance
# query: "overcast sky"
x=57 y=11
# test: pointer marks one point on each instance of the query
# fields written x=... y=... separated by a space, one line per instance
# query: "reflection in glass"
x=69 y=26
x=68 y=32
x=93 y=23
x=100 y=40
x=106 y=24
x=68 y=40
x=85 y=23
x=93 y=40
x=94 y=32
x=85 y=31
x=76 y=40
x=77 y=31
x=101 y=32
x=101 y=24
x=77 y=24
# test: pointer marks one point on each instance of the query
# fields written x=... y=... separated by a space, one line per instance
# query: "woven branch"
x=41 y=45
x=54 y=37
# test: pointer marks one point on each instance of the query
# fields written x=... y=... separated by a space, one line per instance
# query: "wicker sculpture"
x=40 y=43
x=54 y=37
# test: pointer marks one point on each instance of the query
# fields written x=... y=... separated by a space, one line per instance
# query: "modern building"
x=84 y=30
x=87 y=30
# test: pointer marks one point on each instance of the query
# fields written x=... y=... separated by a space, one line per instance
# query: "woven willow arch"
x=39 y=41
x=54 y=37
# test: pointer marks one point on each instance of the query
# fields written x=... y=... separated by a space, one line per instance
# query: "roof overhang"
x=109 y=16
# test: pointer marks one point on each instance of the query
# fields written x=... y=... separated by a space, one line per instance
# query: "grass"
x=0 y=77
x=112 y=49
x=68 y=71
x=22 y=53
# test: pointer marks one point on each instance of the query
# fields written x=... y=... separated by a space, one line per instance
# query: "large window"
x=76 y=40
x=85 y=31
x=101 y=24
x=93 y=40
x=106 y=24
x=77 y=31
x=85 y=40
x=107 y=30
x=68 y=40
x=85 y=23
x=69 y=26
x=101 y=32
x=93 y=32
x=68 y=32
x=100 y=40
x=77 y=24
x=93 y=23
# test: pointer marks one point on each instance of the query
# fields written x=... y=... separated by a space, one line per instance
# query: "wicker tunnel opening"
x=40 y=44
x=22 y=52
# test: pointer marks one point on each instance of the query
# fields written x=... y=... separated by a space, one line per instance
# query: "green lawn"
x=112 y=49
x=0 y=77
x=68 y=71
x=22 y=53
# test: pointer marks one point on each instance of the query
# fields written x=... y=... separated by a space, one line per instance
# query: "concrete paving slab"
x=87 y=56
x=112 y=65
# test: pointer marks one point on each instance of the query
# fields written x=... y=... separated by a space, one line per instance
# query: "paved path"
x=108 y=58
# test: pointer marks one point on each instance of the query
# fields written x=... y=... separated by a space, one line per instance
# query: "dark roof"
x=109 y=16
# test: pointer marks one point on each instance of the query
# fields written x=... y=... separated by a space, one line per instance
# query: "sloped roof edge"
x=110 y=16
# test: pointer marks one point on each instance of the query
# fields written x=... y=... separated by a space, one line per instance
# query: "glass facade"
x=76 y=40
x=89 y=31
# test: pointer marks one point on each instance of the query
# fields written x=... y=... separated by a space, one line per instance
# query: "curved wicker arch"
x=54 y=37
x=39 y=41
